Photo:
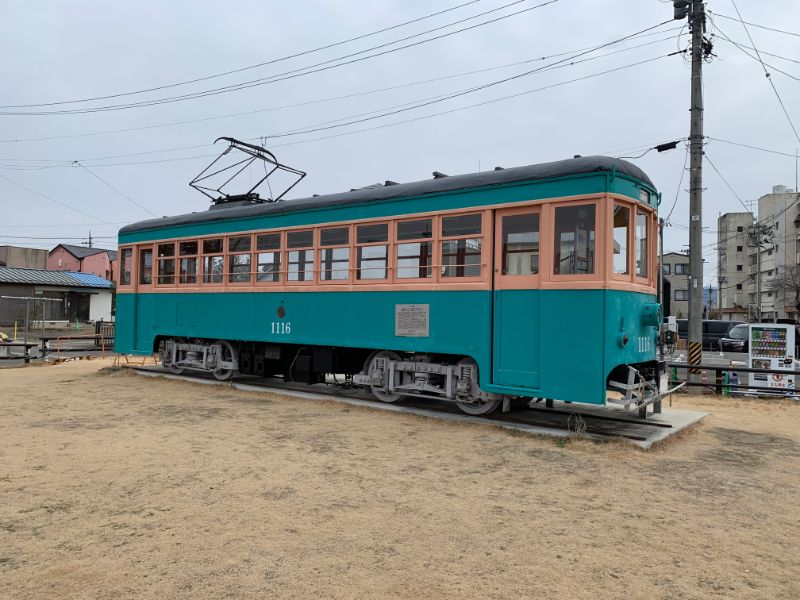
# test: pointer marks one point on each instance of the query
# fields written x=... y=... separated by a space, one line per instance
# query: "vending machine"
x=772 y=347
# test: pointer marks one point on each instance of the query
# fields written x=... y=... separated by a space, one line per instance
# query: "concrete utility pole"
x=695 y=9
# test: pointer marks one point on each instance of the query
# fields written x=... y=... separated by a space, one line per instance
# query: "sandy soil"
x=113 y=485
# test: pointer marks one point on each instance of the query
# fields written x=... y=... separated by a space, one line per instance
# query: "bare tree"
x=786 y=284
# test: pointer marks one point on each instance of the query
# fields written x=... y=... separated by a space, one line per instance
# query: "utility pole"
x=695 y=9
x=89 y=243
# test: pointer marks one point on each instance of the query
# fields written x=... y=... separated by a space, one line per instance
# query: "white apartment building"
x=733 y=265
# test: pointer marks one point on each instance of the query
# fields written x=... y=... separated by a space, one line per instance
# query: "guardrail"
x=96 y=338
x=719 y=384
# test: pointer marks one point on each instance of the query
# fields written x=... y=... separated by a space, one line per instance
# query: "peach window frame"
x=157 y=264
x=319 y=249
x=485 y=236
x=180 y=257
x=576 y=280
x=398 y=242
x=203 y=254
x=279 y=250
x=518 y=282
x=313 y=247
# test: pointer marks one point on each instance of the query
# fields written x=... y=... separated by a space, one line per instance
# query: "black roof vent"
x=499 y=168
x=438 y=175
x=388 y=183
x=576 y=156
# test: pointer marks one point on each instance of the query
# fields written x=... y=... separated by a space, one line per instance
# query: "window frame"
x=388 y=244
x=319 y=249
x=531 y=281
x=440 y=239
x=279 y=250
x=675 y=295
x=287 y=250
x=131 y=262
x=229 y=254
x=157 y=260
x=630 y=251
x=420 y=240
x=203 y=254
x=181 y=257
x=600 y=241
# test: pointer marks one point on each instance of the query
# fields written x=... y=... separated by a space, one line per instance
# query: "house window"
x=739 y=229
x=461 y=253
x=681 y=269
x=521 y=244
x=665 y=269
x=239 y=258
x=738 y=286
x=739 y=267
x=682 y=295
x=213 y=261
x=414 y=249
x=145 y=266
x=187 y=271
x=166 y=263
x=125 y=266
x=372 y=251
x=334 y=254
x=268 y=257
x=300 y=258
x=574 y=240
x=739 y=248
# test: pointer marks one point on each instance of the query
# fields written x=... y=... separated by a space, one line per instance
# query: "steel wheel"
x=382 y=392
x=228 y=354
x=479 y=402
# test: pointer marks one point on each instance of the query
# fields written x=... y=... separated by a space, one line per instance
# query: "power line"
x=247 y=68
x=751 y=147
x=716 y=14
x=300 y=72
x=51 y=199
x=680 y=183
x=766 y=72
x=341 y=97
x=721 y=176
x=107 y=184
x=33 y=237
x=742 y=47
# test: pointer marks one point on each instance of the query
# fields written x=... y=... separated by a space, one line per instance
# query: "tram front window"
x=574 y=240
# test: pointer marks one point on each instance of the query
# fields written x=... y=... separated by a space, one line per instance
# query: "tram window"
x=335 y=262
x=125 y=266
x=268 y=259
x=213 y=246
x=166 y=263
x=372 y=259
x=212 y=268
x=461 y=257
x=574 y=240
x=461 y=225
x=187 y=267
x=146 y=266
x=300 y=263
x=641 y=244
x=622 y=224
x=414 y=258
x=239 y=259
x=521 y=244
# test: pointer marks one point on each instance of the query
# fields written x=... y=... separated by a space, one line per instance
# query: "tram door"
x=516 y=354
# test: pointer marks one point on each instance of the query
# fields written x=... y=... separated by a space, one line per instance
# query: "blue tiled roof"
x=54 y=278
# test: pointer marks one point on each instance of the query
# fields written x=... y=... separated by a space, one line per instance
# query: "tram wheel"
x=228 y=354
x=479 y=403
x=382 y=393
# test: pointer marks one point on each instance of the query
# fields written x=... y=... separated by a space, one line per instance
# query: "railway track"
x=564 y=420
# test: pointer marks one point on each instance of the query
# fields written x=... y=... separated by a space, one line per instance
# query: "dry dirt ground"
x=114 y=485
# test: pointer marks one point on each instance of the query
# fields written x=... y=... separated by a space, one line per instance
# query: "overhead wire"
x=249 y=67
x=108 y=185
x=51 y=199
x=300 y=72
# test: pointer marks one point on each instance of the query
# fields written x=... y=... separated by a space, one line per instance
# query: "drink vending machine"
x=772 y=347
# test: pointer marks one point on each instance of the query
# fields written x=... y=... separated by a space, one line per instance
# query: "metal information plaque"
x=411 y=320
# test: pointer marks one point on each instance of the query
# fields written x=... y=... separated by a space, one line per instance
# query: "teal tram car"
x=518 y=283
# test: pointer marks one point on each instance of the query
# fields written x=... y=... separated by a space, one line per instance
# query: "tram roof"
x=390 y=191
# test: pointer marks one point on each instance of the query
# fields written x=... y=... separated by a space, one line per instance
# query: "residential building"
x=733 y=266
x=30 y=258
x=66 y=257
x=81 y=297
x=675 y=270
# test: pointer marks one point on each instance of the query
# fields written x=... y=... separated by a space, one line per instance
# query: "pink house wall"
x=99 y=264
x=61 y=260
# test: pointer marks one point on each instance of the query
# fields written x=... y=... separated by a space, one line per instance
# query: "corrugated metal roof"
x=89 y=279
x=54 y=278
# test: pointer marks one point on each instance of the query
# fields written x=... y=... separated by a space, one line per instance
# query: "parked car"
x=736 y=340
x=713 y=331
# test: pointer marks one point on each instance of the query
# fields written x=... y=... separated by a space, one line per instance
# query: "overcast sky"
x=59 y=51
